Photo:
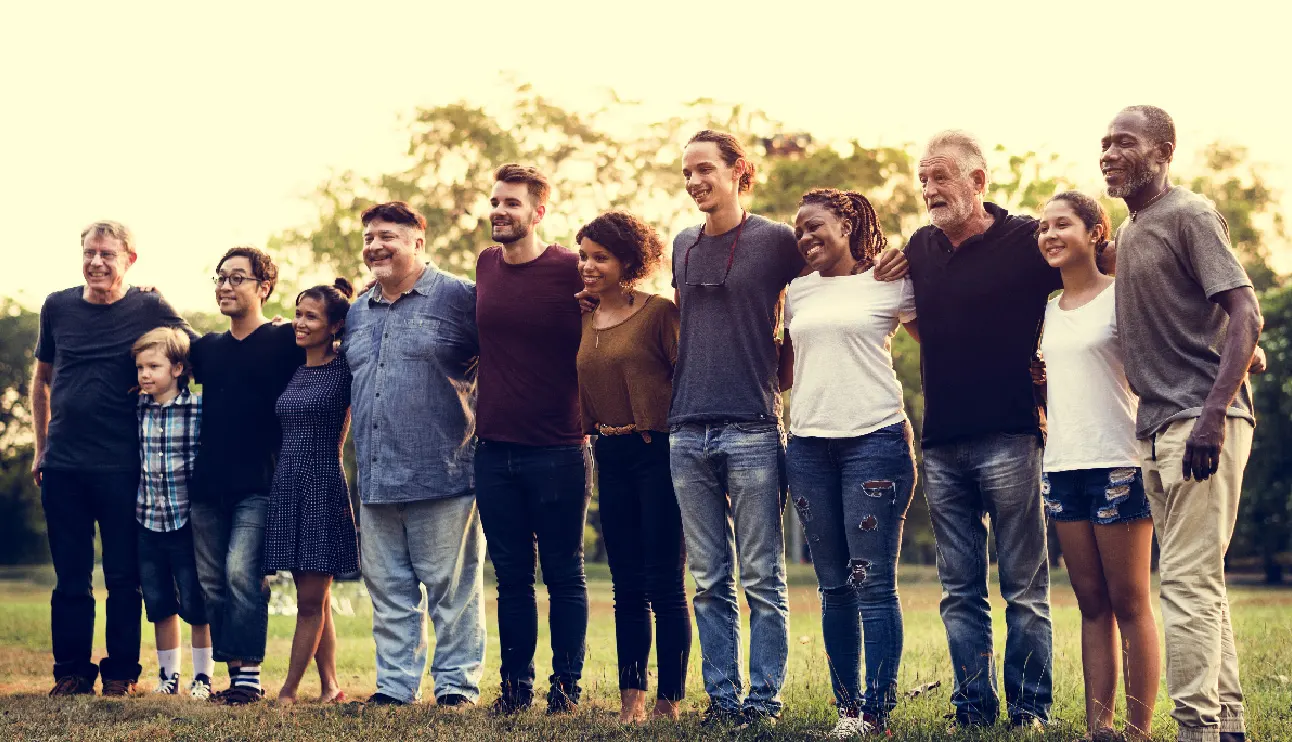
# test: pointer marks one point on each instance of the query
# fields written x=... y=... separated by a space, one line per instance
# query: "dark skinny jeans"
x=536 y=496
x=643 y=530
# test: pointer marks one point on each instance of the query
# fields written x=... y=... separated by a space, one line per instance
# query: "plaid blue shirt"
x=167 y=446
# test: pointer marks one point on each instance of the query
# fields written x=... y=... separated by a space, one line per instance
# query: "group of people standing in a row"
x=470 y=405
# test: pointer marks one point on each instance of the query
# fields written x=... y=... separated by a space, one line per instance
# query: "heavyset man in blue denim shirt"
x=412 y=348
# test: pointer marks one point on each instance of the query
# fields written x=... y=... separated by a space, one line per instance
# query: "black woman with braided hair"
x=851 y=460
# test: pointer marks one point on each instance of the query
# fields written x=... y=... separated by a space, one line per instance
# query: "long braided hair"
x=867 y=239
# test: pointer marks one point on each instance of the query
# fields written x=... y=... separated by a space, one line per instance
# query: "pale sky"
x=202 y=126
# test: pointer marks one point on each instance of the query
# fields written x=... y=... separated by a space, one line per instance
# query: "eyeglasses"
x=731 y=256
x=234 y=280
x=107 y=256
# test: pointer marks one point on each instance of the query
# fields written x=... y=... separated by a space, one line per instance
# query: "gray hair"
x=115 y=230
x=968 y=156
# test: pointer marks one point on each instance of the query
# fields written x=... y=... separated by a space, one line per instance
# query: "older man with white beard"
x=412 y=348
x=980 y=291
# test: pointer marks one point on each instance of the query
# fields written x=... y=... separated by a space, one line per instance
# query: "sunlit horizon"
x=201 y=129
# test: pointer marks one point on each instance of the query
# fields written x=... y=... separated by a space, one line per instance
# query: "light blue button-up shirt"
x=413 y=362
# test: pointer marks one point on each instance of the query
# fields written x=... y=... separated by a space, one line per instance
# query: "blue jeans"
x=727 y=478
x=229 y=543
x=418 y=558
x=536 y=495
x=852 y=495
x=74 y=502
x=996 y=477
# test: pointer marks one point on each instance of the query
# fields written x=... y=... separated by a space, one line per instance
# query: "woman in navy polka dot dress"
x=310 y=529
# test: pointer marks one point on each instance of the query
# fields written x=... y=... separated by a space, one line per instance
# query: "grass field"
x=1262 y=624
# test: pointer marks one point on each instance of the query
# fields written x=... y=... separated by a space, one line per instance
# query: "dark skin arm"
x=1202 y=450
x=785 y=370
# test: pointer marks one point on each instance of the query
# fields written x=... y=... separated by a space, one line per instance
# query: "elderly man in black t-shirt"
x=980 y=291
x=87 y=456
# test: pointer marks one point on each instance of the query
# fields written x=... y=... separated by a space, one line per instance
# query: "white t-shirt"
x=1091 y=411
x=842 y=329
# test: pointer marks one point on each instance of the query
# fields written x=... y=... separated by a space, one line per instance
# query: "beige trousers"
x=1194 y=522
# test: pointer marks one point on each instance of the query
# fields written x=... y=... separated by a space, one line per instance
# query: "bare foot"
x=332 y=695
x=285 y=700
x=632 y=706
x=671 y=710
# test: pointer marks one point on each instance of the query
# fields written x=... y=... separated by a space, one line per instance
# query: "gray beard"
x=1137 y=180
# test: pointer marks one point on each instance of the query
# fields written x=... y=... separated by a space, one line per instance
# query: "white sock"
x=168 y=661
x=203 y=662
x=248 y=677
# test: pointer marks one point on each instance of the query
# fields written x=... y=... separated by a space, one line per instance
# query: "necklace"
x=1151 y=201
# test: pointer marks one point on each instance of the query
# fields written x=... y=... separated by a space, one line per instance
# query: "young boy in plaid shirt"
x=169 y=419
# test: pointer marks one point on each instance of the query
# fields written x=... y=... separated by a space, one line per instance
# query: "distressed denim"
x=852 y=495
x=74 y=502
x=422 y=558
x=413 y=390
x=1102 y=496
x=229 y=544
x=993 y=478
x=536 y=496
x=727 y=478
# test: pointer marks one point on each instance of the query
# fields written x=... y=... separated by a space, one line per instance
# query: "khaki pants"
x=1194 y=522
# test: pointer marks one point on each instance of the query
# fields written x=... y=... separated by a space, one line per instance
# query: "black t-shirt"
x=93 y=424
x=241 y=380
x=981 y=307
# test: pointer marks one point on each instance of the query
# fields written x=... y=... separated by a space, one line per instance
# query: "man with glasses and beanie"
x=242 y=372
x=726 y=446
x=86 y=460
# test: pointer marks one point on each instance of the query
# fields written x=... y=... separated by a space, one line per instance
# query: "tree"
x=22 y=525
x=1249 y=204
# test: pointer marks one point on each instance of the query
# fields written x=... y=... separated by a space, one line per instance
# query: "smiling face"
x=244 y=299
x=157 y=375
x=950 y=191
x=598 y=267
x=710 y=181
x=514 y=213
x=311 y=325
x=390 y=250
x=1063 y=238
x=1130 y=160
x=823 y=240
x=104 y=262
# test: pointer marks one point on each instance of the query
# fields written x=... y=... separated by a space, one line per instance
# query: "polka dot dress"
x=311 y=524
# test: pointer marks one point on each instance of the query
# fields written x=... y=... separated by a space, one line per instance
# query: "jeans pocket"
x=756 y=426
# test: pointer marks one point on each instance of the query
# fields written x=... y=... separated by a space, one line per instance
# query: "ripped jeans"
x=852 y=495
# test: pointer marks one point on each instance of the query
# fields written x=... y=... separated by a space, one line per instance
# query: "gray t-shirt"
x=1171 y=260
x=93 y=421
x=727 y=351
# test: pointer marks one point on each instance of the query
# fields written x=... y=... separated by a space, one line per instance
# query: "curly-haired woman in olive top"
x=625 y=361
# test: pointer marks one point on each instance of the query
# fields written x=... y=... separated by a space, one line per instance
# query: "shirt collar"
x=423 y=286
x=183 y=398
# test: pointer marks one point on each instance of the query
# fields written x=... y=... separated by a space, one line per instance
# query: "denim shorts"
x=168 y=576
x=1103 y=496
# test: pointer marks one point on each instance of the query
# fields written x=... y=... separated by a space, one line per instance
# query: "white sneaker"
x=852 y=726
x=167 y=686
x=200 y=689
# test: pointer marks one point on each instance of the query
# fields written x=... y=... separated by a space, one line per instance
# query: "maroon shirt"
x=530 y=324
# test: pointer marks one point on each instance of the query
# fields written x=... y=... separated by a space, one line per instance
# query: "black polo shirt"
x=980 y=309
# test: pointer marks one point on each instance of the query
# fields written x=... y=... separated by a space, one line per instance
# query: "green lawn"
x=1263 y=626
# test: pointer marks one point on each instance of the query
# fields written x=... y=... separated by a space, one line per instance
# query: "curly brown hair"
x=634 y=242
x=731 y=150
x=867 y=238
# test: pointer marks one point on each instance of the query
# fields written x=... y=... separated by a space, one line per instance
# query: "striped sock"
x=248 y=676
